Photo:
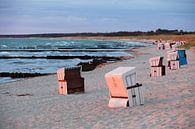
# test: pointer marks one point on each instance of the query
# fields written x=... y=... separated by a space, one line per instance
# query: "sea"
x=16 y=53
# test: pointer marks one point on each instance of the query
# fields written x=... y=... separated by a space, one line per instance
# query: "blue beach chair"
x=182 y=57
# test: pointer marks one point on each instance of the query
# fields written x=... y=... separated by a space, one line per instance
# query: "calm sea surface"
x=36 y=47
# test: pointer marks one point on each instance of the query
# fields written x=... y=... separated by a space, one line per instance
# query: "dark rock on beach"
x=21 y=75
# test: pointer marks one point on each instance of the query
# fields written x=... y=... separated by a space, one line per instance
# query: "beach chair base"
x=118 y=102
x=62 y=87
x=174 y=65
x=157 y=71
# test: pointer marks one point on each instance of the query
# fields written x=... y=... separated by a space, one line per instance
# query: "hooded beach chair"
x=157 y=67
x=123 y=89
x=160 y=46
x=167 y=45
x=182 y=57
x=70 y=80
x=173 y=60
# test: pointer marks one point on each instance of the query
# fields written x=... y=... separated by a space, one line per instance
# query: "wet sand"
x=169 y=100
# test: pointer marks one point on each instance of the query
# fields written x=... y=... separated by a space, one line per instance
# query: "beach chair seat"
x=123 y=89
x=70 y=80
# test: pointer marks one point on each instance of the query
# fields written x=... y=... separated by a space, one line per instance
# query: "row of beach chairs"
x=161 y=45
x=175 y=58
x=124 y=91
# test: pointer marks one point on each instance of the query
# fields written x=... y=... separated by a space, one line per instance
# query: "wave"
x=3 y=46
x=46 y=55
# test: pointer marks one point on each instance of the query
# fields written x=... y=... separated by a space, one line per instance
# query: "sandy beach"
x=169 y=100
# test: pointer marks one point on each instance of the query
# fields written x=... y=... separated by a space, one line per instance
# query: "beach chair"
x=70 y=81
x=173 y=60
x=173 y=46
x=182 y=57
x=160 y=46
x=167 y=46
x=123 y=89
x=157 y=67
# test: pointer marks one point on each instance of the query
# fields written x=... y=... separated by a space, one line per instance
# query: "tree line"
x=120 y=33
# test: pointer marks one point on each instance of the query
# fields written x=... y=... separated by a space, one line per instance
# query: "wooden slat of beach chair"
x=141 y=94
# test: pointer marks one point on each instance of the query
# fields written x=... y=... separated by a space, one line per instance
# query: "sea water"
x=42 y=47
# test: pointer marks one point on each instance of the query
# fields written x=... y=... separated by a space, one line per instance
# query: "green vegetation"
x=188 y=45
x=111 y=34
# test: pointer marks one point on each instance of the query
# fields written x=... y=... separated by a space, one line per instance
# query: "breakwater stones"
x=21 y=75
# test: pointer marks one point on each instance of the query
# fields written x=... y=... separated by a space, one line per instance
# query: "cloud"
x=94 y=15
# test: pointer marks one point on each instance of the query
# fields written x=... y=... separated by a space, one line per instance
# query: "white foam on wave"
x=137 y=44
x=4 y=53
x=5 y=46
x=48 y=43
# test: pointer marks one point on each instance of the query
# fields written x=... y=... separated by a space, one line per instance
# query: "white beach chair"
x=123 y=89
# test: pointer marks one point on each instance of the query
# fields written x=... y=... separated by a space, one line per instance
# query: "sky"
x=71 y=16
